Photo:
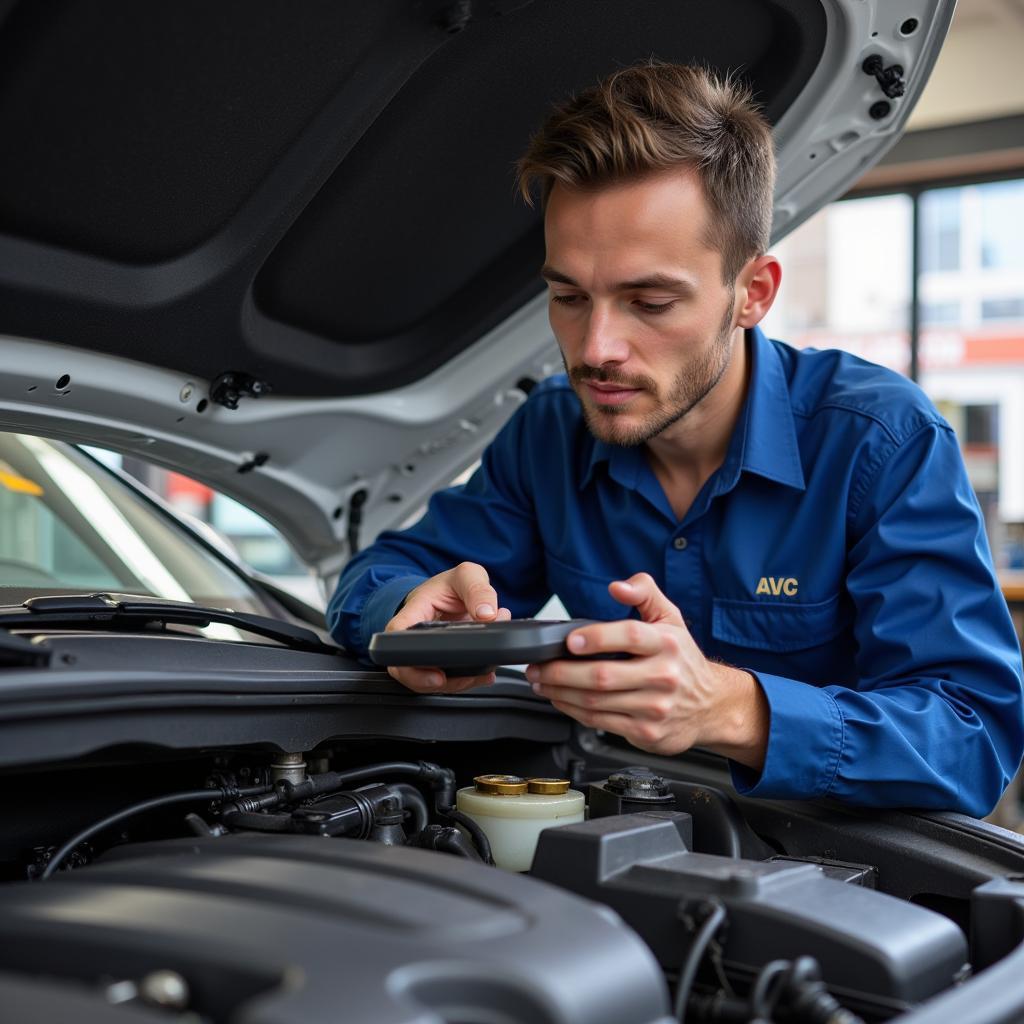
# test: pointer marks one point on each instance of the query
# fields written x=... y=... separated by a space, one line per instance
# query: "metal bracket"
x=890 y=79
x=231 y=387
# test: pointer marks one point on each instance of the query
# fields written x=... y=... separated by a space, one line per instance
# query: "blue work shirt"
x=838 y=554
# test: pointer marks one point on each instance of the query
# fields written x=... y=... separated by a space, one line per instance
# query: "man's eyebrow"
x=550 y=274
x=655 y=281
x=650 y=281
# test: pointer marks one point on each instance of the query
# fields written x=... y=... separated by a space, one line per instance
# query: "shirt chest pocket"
x=583 y=594
x=780 y=627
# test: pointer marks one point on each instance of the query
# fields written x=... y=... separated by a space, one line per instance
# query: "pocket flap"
x=776 y=625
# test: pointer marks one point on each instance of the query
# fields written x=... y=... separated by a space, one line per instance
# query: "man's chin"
x=616 y=426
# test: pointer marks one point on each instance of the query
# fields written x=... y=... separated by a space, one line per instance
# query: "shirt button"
x=680 y=543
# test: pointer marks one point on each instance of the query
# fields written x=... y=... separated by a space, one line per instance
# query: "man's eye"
x=565 y=300
x=655 y=307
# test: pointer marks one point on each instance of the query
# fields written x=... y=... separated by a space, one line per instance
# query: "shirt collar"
x=770 y=446
x=766 y=431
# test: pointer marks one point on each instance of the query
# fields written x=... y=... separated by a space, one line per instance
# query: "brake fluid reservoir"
x=513 y=812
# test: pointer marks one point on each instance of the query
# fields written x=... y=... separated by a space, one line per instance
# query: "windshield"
x=69 y=526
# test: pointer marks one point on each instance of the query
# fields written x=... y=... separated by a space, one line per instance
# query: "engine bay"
x=201 y=890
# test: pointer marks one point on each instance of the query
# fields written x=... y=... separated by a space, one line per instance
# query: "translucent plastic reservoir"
x=513 y=817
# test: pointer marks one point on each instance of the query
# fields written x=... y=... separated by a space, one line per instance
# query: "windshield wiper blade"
x=105 y=611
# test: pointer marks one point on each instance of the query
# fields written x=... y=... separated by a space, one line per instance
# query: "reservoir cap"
x=501 y=785
x=548 y=787
x=639 y=784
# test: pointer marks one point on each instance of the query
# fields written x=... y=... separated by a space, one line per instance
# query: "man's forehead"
x=634 y=230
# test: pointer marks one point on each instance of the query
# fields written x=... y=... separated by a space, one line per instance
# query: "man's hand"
x=458 y=595
x=665 y=699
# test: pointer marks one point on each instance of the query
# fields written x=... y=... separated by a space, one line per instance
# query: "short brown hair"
x=654 y=117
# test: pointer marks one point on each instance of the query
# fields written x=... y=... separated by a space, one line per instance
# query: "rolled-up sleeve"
x=936 y=719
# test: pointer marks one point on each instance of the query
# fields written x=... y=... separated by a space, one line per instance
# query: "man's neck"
x=685 y=455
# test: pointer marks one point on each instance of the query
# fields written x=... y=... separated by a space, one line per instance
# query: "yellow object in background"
x=20 y=484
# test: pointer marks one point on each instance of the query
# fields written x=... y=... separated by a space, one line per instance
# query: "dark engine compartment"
x=254 y=886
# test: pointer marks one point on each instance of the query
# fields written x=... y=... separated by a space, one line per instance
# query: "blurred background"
x=920 y=268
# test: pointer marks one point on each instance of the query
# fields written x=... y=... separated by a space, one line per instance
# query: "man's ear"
x=756 y=288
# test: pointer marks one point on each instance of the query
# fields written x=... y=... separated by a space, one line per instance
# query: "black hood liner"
x=354 y=160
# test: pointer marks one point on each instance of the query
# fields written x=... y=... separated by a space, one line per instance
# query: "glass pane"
x=940 y=229
x=1002 y=225
x=248 y=537
x=846 y=281
x=1002 y=309
x=68 y=525
x=940 y=312
x=972 y=345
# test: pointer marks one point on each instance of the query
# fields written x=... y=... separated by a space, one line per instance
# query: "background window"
x=940 y=229
x=1002 y=309
x=1002 y=225
x=940 y=312
x=846 y=281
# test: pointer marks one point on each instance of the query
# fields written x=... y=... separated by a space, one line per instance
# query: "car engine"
x=223 y=902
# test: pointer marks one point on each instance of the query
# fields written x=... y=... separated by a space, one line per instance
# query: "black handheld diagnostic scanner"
x=475 y=648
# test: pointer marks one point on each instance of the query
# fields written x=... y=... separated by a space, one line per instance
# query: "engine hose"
x=477 y=834
x=713 y=921
x=446 y=839
x=806 y=998
x=455 y=842
x=720 y=1008
x=767 y=989
x=797 y=987
x=256 y=821
x=410 y=769
x=441 y=779
x=192 y=796
x=413 y=802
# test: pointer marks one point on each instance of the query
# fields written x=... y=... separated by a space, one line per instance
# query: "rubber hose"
x=147 y=805
x=694 y=957
x=413 y=802
x=478 y=835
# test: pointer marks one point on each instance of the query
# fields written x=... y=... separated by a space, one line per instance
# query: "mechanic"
x=786 y=541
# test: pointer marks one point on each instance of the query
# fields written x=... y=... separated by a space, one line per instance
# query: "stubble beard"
x=691 y=386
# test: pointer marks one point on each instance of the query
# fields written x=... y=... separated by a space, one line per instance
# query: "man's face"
x=637 y=302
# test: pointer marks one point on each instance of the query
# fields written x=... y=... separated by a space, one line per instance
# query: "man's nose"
x=604 y=340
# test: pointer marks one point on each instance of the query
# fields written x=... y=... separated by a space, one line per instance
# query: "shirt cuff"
x=805 y=743
x=382 y=604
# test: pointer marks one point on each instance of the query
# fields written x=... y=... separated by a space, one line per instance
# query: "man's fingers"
x=419 y=609
x=471 y=582
x=591 y=675
x=627 y=636
x=433 y=680
x=634 y=703
x=421 y=680
x=460 y=684
x=641 y=592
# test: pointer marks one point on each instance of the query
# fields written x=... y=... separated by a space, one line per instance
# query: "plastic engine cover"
x=881 y=953
x=281 y=929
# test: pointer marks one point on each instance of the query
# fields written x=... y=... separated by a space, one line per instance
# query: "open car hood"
x=201 y=202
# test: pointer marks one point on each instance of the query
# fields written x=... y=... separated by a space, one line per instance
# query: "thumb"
x=641 y=592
